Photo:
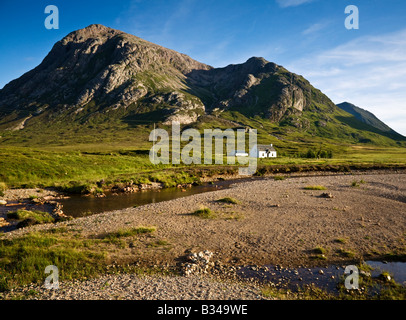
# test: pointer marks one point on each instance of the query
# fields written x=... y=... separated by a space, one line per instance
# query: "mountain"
x=98 y=70
x=100 y=79
x=368 y=118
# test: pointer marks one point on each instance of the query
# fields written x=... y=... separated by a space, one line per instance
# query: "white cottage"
x=263 y=151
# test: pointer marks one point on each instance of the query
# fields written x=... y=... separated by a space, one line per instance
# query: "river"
x=79 y=206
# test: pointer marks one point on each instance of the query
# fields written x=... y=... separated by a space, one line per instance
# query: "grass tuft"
x=228 y=200
x=37 y=216
x=340 y=240
x=315 y=188
x=279 y=177
x=319 y=250
x=3 y=187
x=124 y=233
x=346 y=253
x=205 y=213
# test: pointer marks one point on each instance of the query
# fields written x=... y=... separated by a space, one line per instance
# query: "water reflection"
x=326 y=278
x=79 y=206
x=396 y=269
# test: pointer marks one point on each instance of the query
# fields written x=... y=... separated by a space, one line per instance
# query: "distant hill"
x=99 y=80
x=369 y=118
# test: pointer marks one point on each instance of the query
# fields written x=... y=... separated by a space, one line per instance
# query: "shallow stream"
x=326 y=278
x=79 y=206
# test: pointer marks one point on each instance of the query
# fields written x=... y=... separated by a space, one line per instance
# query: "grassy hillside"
x=79 y=157
x=372 y=122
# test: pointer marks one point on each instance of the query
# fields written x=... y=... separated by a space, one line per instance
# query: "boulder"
x=197 y=263
x=326 y=195
x=3 y=223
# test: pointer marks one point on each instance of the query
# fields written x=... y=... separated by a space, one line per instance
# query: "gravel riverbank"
x=274 y=222
x=135 y=287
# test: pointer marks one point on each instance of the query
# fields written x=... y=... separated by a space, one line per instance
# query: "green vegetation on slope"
x=77 y=157
x=73 y=169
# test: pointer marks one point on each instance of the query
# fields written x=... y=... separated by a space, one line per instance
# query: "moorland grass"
x=205 y=213
x=3 y=187
x=38 y=216
x=319 y=250
x=23 y=260
x=78 y=168
x=122 y=233
x=316 y=187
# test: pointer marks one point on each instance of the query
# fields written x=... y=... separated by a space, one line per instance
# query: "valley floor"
x=301 y=221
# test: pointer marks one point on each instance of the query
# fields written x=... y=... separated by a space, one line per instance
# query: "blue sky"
x=366 y=66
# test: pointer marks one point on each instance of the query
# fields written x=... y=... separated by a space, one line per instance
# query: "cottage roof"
x=265 y=147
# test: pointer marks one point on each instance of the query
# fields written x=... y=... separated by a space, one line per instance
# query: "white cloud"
x=292 y=3
x=369 y=72
x=315 y=28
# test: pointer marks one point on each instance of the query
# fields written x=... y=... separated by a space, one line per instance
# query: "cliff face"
x=256 y=87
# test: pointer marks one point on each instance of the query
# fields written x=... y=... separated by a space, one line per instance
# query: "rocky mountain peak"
x=257 y=61
x=91 y=32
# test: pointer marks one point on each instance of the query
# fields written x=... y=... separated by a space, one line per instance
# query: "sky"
x=364 y=66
